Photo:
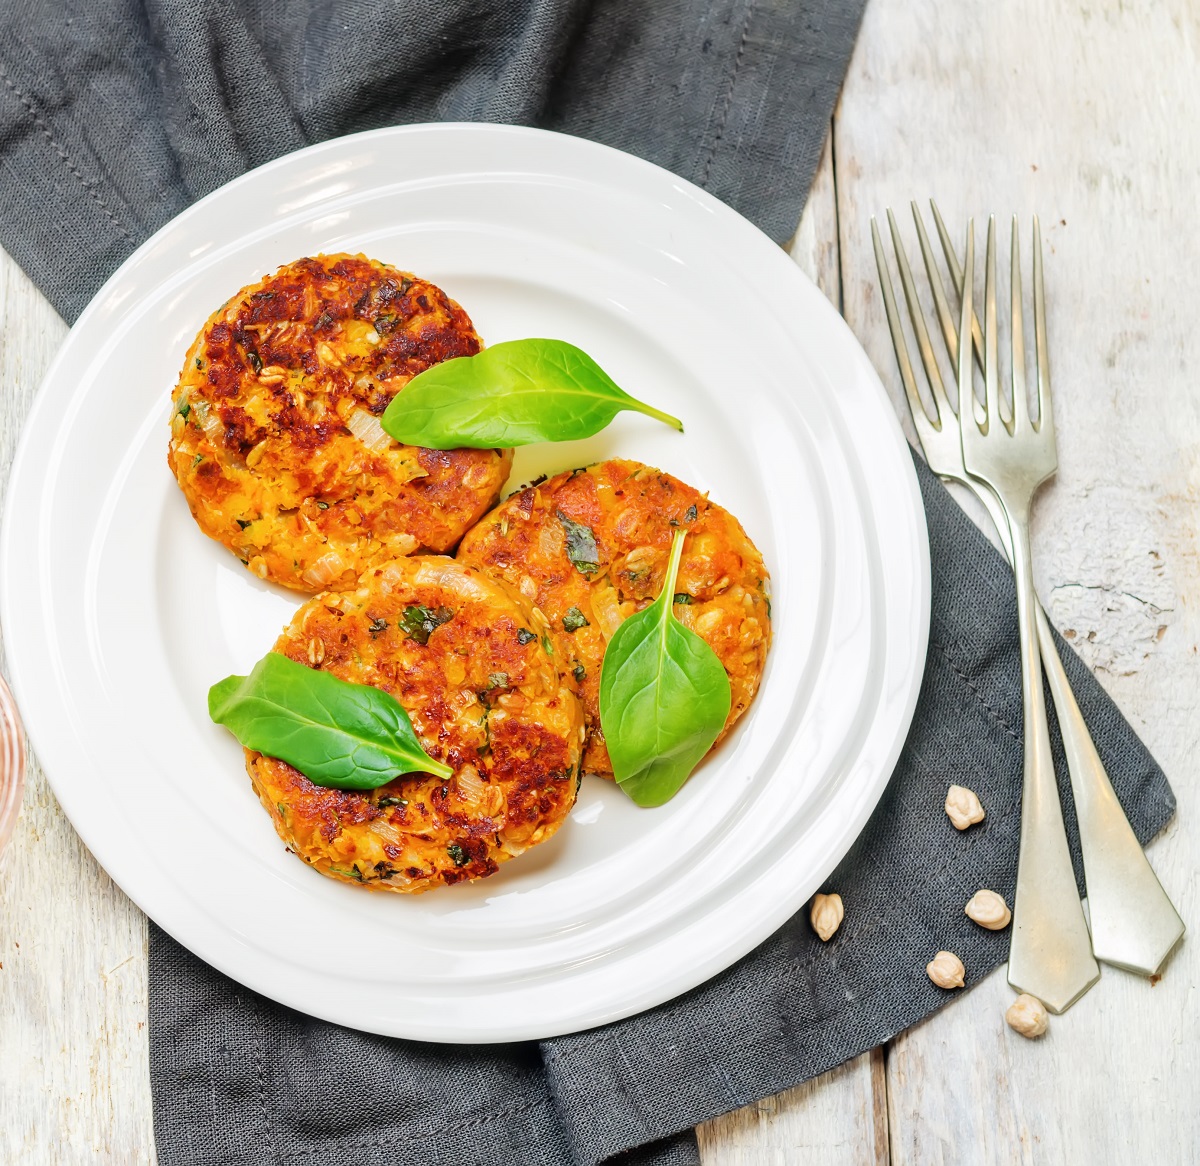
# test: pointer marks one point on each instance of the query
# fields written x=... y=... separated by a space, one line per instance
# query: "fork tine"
x=966 y=390
x=1045 y=413
x=940 y=303
x=1020 y=402
x=991 y=356
x=917 y=315
x=915 y=404
x=956 y=277
x=945 y=316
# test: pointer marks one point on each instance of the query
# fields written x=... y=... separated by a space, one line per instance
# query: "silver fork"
x=1051 y=954
x=1134 y=924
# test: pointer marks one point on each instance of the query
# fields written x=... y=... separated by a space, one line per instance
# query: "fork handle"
x=1134 y=924
x=1051 y=952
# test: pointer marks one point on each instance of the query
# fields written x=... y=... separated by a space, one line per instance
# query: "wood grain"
x=74 y=1071
x=1074 y=112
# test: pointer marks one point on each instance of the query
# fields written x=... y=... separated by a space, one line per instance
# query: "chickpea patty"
x=590 y=547
x=472 y=664
x=275 y=435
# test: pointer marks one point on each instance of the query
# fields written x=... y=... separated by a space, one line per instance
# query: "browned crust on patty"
x=262 y=439
x=633 y=511
x=485 y=696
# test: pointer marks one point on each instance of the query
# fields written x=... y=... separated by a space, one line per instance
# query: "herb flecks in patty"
x=574 y=620
x=581 y=544
x=420 y=622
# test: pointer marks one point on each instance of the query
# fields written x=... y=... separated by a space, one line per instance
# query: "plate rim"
x=705 y=968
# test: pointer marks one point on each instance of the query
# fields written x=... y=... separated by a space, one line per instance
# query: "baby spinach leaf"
x=664 y=697
x=338 y=734
x=513 y=393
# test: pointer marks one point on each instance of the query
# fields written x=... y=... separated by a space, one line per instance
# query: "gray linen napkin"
x=113 y=118
x=116 y=114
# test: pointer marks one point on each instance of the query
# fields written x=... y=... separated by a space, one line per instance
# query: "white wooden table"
x=1086 y=112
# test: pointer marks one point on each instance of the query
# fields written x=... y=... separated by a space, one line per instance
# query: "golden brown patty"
x=485 y=696
x=631 y=511
x=275 y=437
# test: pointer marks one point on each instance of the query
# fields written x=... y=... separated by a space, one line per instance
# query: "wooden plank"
x=74 y=1075
x=1075 y=112
x=841 y=1116
x=814 y=247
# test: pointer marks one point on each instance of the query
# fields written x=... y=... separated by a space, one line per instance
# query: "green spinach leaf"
x=339 y=735
x=515 y=393
x=664 y=697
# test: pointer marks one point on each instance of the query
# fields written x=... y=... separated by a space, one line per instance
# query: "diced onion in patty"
x=214 y=427
x=365 y=426
x=327 y=568
x=470 y=785
x=606 y=606
x=550 y=541
x=386 y=830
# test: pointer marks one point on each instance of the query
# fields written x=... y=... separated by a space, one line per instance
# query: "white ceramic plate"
x=118 y=614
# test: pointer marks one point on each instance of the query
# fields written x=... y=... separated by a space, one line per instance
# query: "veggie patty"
x=590 y=547
x=275 y=435
x=473 y=666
